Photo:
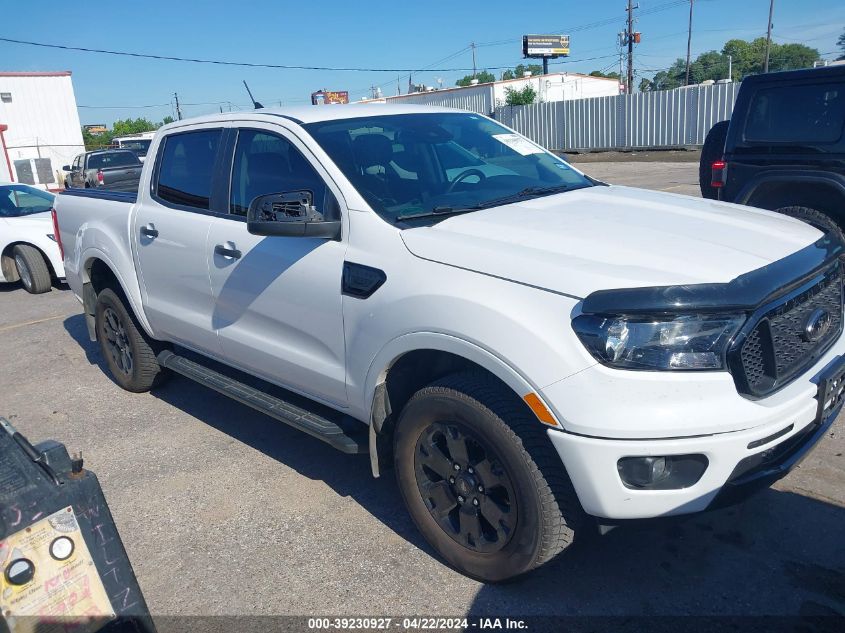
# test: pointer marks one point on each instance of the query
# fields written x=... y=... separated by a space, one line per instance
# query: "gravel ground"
x=225 y=511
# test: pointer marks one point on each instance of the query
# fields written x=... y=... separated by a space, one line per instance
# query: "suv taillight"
x=57 y=234
x=718 y=174
x=100 y=176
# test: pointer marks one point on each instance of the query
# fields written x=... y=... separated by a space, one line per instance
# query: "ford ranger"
x=532 y=350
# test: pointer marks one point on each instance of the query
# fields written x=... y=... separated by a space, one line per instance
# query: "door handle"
x=225 y=251
x=149 y=231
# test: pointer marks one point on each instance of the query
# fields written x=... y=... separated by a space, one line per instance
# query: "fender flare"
x=837 y=181
x=374 y=395
x=131 y=292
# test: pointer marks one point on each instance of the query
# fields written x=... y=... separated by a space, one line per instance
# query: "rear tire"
x=129 y=353
x=817 y=219
x=481 y=479
x=712 y=150
x=32 y=269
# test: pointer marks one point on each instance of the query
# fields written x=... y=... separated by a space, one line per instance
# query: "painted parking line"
x=15 y=326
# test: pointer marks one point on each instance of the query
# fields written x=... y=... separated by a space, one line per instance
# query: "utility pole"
x=472 y=46
x=178 y=109
x=730 y=67
x=769 y=35
x=629 y=35
x=689 y=40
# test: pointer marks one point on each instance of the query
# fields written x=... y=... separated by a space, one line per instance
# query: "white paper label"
x=518 y=144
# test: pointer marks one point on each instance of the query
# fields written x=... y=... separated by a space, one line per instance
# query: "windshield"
x=18 y=200
x=414 y=166
x=112 y=159
x=138 y=146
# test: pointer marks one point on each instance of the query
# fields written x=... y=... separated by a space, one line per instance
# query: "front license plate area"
x=831 y=393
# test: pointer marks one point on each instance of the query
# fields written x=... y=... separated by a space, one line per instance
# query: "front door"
x=170 y=230
x=277 y=300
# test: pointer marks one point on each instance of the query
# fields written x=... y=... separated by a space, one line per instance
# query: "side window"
x=798 y=114
x=77 y=162
x=266 y=163
x=186 y=167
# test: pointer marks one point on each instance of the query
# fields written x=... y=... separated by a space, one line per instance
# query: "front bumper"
x=739 y=461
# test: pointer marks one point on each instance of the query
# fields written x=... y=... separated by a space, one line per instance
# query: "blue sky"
x=370 y=34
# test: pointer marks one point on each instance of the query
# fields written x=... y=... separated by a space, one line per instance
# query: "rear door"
x=277 y=300
x=170 y=230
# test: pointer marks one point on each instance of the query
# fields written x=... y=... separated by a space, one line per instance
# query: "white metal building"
x=42 y=130
x=485 y=98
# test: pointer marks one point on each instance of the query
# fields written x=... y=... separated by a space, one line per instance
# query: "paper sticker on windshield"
x=518 y=144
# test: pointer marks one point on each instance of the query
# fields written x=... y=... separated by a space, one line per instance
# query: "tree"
x=841 y=44
x=525 y=96
x=747 y=59
x=645 y=85
x=519 y=71
x=484 y=77
x=598 y=73
x=121 y=127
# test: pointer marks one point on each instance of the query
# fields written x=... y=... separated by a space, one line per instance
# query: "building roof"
x=33 y=73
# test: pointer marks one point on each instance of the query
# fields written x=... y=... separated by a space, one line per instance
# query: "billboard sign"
x=545 y=45
x=326 y=97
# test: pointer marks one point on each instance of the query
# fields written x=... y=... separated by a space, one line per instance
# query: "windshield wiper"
x=436 y=211
x=528 y=192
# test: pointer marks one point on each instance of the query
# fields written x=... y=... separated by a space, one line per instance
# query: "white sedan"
x=28 y=248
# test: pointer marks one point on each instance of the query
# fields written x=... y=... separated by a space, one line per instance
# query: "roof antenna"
x=255 y=103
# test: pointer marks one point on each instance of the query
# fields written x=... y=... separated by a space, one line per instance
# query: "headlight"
x=675 y=342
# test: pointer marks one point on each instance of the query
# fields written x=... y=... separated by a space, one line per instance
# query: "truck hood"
x=601 y=237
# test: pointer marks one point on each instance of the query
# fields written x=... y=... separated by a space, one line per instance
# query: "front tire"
x=32 y=269
x=129 y=353
x=481 y=479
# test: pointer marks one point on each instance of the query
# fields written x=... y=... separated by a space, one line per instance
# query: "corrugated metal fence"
x=476 y=99
x=663 y=119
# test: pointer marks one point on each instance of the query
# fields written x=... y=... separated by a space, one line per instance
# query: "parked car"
x=117 y=169
x=138 y=144
x=783 y=146
x=28 y=248
x=532 y=350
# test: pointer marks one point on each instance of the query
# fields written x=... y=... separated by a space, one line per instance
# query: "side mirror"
x=289 y=213
x=66 y=168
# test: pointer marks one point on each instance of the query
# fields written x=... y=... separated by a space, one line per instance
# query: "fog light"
x=661 y=472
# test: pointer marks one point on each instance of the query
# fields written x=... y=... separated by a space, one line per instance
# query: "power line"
x=219 y=62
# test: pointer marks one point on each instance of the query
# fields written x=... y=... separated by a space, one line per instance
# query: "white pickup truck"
x=534 y=351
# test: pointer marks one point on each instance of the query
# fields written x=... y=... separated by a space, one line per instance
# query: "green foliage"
x=484 y=77
x=598 y=73
x=121 y=127
x=521 y=69
x=526 y=96
x=748 y=59
x=841 y=44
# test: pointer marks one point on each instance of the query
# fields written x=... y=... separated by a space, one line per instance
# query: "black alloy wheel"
x=465 y=487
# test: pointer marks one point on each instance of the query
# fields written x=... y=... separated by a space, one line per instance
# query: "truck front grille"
x=777 y=349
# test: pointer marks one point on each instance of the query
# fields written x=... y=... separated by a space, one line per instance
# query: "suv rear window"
x=186 y=166
x=112 y=159
x=797 y=114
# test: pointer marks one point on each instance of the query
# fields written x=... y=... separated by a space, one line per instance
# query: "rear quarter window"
x=796 y=114
x=186 y=166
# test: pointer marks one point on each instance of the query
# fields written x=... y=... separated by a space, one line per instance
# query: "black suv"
x=783 y=148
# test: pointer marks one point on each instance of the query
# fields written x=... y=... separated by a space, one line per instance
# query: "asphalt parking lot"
x=225 y=511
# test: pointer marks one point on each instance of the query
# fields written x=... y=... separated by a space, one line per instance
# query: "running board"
x=302 y=419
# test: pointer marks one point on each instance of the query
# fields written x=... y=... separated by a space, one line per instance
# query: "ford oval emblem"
x=816 y=325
